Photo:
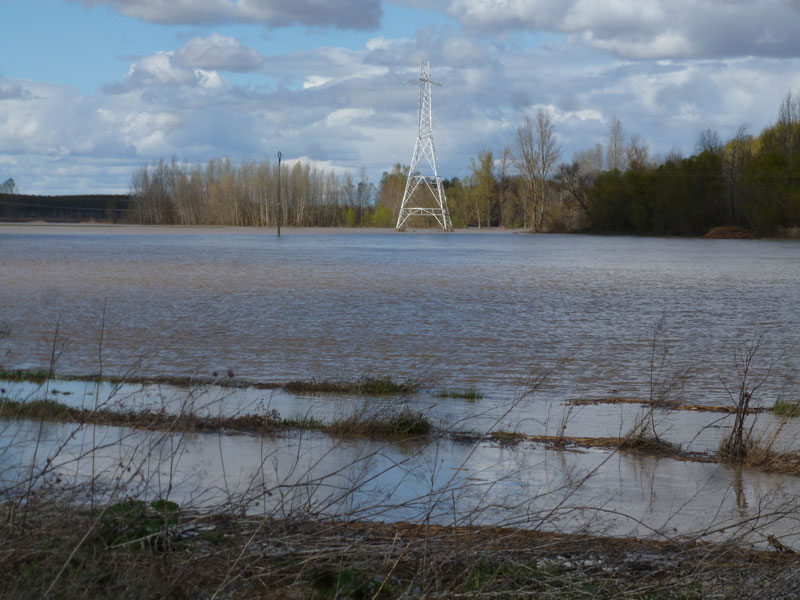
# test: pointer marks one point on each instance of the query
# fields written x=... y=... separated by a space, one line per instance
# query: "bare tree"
x=708 y=140
x=788 y=123
x=735 y=155
x=527 y=163
x=615 y=149
x=637 y=153
x=549 y=152
x=576 y=182
x=8 y=186
x=504 y=163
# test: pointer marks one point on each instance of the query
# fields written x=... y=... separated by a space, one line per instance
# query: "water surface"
x=461 y=309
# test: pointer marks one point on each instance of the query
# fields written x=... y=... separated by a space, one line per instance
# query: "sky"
x=91 y=90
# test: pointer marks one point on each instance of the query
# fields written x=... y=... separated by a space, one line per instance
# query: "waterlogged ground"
x=438 y=481
x=491 y=311
x=693 y=431
x=467 y=309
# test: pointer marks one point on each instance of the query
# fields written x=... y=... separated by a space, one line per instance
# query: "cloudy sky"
x=92 y=89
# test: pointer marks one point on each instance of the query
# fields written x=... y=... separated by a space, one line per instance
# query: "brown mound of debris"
x=729 y=233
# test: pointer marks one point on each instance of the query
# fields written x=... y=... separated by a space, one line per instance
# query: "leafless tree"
x=637 y=153
x=576 y=182
x=504 y=164
x=527 y=162
x=549 y=152
x=708 y=140
x=615 y=148
x=735 y=156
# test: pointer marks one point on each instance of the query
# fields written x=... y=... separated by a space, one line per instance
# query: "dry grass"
x=730 y=233
x=223 y=556
x=366 y=386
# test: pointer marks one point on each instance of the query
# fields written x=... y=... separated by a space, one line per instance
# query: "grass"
x=400 y=423
x=507 y=438
x=386 y=423
x=651 y=445
x=470 y=393
x=34 y=376
x=366 y=386
x=141 y=552
x=784 y=408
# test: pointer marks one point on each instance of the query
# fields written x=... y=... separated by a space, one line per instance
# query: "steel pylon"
x=418 y=184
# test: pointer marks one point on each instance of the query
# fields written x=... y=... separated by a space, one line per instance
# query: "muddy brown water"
x=440 y=481
x=468 y=309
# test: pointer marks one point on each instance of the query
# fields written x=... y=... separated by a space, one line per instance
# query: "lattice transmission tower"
x=420 y=186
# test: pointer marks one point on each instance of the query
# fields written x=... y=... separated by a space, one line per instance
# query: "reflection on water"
x=457 y=310
x=439 y=481
x=450 y=310
x=530 y=415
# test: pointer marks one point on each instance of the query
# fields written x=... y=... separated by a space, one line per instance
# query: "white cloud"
x=346 y=116
x=162 y=70
x=217 y=52
x=315 y=81
x=344 y=14
x=643 y=29
x=351 y=108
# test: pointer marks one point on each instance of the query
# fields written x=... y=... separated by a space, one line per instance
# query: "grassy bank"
x=142 y=551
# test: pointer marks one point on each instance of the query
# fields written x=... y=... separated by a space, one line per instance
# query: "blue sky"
x=92 y=89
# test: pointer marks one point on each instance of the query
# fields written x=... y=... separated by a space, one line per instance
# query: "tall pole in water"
x=280 y=205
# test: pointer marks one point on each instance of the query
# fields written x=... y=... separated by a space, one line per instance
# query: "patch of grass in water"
x=470 y=393
x=650 y=445
x=366 y=386
x=404 y=422
x=507 y=438
x=34 y=375
x=38 y=409
x=785 y=408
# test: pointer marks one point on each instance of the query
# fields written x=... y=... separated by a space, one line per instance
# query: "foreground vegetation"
x=77 y=525
x=139 y=550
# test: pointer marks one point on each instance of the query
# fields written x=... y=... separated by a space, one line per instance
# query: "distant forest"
x=748 y=181
x=111 y=208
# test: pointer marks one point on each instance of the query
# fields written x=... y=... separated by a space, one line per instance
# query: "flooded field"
x=599 y=316
x=474 y=309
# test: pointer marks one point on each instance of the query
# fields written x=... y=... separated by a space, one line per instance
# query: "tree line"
x=222 y=192
x=748 y=181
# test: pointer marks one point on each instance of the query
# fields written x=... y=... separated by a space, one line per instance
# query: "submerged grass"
x=366 y=386
x=386 y=423
x=470 y=393
x=34 y=376
x=403 y=422
x=785 y=408
x=651 y=445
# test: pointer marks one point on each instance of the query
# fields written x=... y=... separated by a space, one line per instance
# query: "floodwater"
x=457 y=310
x=441 y=481
x=694 y=431
x=600 y=316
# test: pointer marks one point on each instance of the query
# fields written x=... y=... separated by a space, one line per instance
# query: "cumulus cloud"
x=343 y=14
x=357 y=108
x=163 y=70
x=10 y=90
x=646 y=29
x=217 y=52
